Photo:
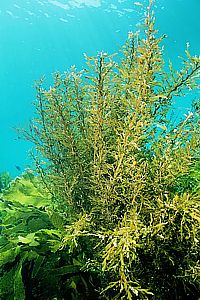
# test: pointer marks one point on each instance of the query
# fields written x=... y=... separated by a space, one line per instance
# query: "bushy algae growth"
x=123 y=177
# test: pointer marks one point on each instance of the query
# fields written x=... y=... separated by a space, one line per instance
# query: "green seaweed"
x=114 y=211
x=32 y=266
x=27 y=190
x=5 y=179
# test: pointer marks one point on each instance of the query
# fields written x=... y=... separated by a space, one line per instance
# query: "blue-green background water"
x=40 y=37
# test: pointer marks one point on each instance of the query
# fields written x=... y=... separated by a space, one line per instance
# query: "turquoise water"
x=40 y=37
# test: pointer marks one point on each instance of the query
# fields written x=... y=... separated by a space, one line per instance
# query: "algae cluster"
x=114 y=212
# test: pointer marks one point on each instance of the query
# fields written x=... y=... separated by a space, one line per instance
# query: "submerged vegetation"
x=5 y=180
x=32 y=266
x=114 y=212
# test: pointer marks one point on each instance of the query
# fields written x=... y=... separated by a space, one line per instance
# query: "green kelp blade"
x=19 y=292
x=9 y=255
x=25 y=191
x=6 y=285
x=37 y=264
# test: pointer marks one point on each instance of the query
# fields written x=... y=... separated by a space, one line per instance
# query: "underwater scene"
x=100 y=150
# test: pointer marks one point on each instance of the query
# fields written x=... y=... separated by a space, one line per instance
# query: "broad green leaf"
x=19 y=292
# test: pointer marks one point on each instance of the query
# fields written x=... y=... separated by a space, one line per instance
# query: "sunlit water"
x=39 y=37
